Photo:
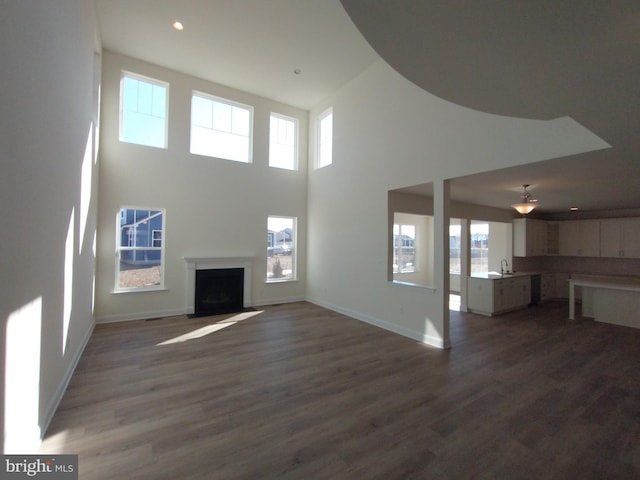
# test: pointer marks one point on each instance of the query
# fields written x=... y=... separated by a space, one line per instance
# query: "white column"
x=465 y=262
x=441 y=209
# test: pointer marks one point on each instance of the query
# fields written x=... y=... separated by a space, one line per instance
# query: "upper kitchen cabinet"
x=620 y=237
x=580 y=238
x=529 y=237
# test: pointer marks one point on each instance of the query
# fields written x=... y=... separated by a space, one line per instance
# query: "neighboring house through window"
x=281 y=248
x=404 y=248
x=221 y=128
x=143 y=110
x=412 y=249
x=140 y=249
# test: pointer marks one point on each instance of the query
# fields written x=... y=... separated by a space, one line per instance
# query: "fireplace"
x=219 y=290
x=218 y=285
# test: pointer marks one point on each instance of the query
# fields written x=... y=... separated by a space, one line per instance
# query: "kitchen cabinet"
x=529 y=237
x=553 y=238
x=499 y=295
x=620 y=237
x=547 y=286
x=562 y=285
x=579 y=238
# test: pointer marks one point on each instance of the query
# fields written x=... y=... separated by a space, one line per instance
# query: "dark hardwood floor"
x=300 y=392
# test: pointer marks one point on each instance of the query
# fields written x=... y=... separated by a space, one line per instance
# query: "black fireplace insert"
x=219 y=290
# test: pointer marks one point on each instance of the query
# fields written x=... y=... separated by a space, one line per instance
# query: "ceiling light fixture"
x=528 y=203
x=178 y=25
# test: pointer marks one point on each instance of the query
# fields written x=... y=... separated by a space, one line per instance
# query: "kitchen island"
x=608 y=299
x=494 y=293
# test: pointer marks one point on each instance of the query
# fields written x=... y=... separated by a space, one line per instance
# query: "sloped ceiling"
x=539 y=59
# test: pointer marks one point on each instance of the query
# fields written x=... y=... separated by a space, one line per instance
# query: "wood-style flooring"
x=299 y=392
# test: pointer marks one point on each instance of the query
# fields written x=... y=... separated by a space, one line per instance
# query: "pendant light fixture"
x=528 y=203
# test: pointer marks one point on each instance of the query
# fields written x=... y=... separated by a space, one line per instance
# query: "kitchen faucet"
x=506 y=264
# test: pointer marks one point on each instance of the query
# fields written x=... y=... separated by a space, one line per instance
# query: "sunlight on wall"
x=85 y=186
x=93 y=279
x=208 y=329
x=68 y=280
x=22 y=379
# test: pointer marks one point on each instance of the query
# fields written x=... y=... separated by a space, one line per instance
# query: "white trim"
x=206 y=263
x=153 y=81
x=391 y=327
x=230 y=103
x=126 y=317
x=275 y=301
x=296 y=127
x=64 y=383
x=318 y=137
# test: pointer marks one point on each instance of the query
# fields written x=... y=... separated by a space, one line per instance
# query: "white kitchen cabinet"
x=580 y=238
x=553 y=238
x=494 y=296
x=620 y=237
x=529 y=237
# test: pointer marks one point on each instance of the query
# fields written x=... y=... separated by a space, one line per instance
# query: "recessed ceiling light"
x=573 y=209
x=178 y=25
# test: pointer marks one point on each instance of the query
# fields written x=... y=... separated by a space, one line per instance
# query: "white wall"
x=214 y=207
x=390 y=134
x=50 y=69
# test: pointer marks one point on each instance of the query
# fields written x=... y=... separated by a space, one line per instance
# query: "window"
x=281 y=249
x=479 y=232
x=283 y=142
x=325 y=139
x=140 y=249
x=143 y=111
x=221 y=128
x=455 y=242
x=404 y=248
x=490 y=242
x=411 y=253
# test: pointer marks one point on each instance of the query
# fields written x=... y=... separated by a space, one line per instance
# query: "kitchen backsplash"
x=591 y=265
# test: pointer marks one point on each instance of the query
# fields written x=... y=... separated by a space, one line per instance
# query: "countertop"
x=499 y=276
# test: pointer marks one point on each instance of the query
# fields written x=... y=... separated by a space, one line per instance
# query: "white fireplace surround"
x=211 y=263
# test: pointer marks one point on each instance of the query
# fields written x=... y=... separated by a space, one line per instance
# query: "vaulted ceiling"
x=538 y=59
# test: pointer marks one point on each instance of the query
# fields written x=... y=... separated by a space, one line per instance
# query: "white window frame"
x=119 y=249
x=274 y=143
x=211 y=130
x=154 y=82
x=400 y=226
x=324 y=139
x=294 y=251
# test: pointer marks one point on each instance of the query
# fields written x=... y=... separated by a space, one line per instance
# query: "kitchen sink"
x=505 y=274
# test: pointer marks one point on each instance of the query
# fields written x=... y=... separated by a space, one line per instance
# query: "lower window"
x=139 y=249
x=281 y=249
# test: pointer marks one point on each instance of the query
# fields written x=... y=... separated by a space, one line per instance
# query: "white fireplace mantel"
x=207 y=263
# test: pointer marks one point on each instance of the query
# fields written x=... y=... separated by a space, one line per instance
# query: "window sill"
x=140 y=290
x=284 y=280
x=415 y=285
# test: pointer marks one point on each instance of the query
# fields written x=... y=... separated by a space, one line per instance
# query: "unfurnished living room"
x=321 y=238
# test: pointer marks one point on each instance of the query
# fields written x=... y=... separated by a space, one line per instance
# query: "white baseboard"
x=275 y=301
x=125 y=317
x=392 y=327
x=62 y=387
